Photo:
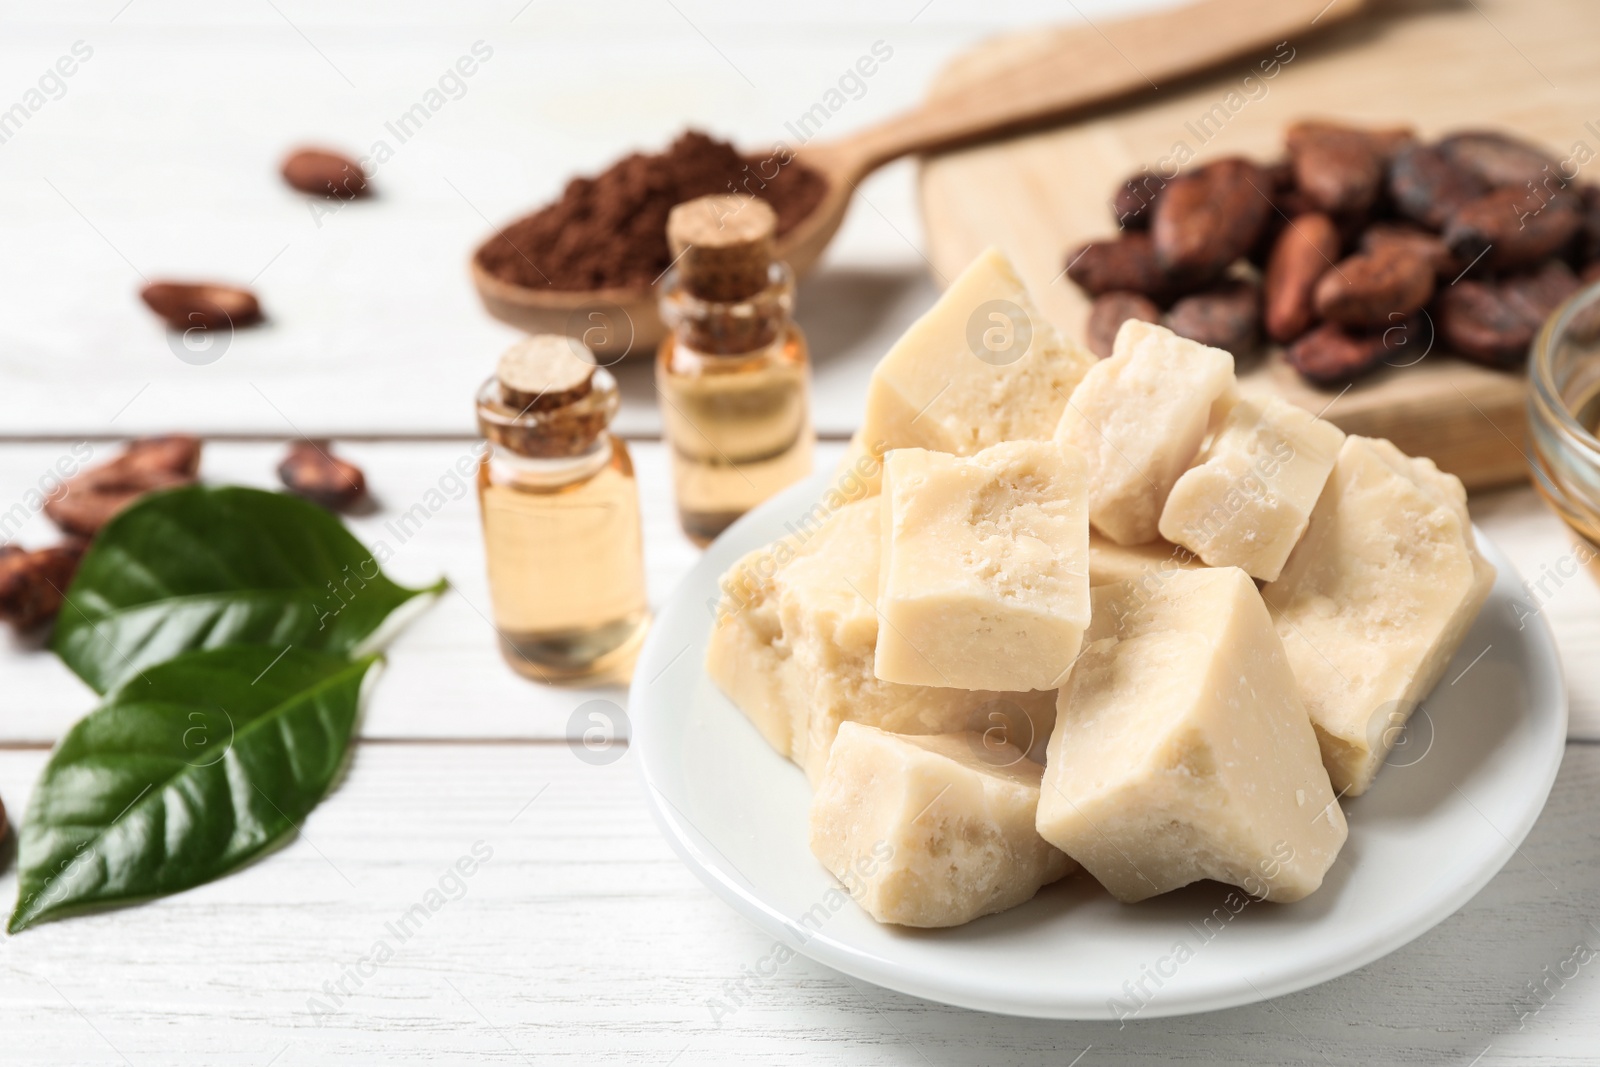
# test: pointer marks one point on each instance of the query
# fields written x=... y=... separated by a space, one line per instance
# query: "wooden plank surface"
x=583 y=940
x=1437 y=66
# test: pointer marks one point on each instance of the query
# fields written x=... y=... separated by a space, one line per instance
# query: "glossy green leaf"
x=184 y=774
x=202 y=567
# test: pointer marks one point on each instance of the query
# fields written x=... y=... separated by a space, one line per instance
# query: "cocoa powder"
x=609 y=231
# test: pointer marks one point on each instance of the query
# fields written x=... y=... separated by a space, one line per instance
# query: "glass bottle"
x=734 y=370
x=561 y=526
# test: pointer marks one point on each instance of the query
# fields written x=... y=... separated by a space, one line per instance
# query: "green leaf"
x=202 y=567
x=183 y=775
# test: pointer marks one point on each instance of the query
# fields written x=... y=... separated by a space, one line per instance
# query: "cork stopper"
x=723 y=245
x=545 y=372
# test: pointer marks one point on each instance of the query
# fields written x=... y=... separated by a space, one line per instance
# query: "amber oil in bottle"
x=561 y=526
x=734 y=371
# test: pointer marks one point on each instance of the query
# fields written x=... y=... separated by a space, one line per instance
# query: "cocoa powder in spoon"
x=609 y=231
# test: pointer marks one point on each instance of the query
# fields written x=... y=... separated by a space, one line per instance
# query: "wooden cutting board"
x=1517 y=65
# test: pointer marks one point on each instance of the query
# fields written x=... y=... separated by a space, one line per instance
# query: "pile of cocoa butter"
x=1362 y=247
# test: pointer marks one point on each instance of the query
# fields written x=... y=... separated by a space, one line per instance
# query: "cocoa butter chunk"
x=1331 y=354
x=1110 y=311
x=1428 y=187
x=1374 y=288
x=1206 y=220
x=1511 y=227
x=87 y=501
x=933 y=830
x=1340 y=169
x=1182 y=748
x=545 y=371
x=312 y=470
x=1223 y=317
x=1303 y=252
x=201 y=305
x=321 y=172
x=1500 y=160
x=1126 y=263
x=34 y=583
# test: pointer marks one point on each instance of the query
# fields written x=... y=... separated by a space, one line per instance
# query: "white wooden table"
x=581 y=939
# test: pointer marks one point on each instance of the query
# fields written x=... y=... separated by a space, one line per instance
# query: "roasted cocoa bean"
x=323 y=173
x=1127 y=263
x=1427 y=187
x=1110 y=311
x=1589 y=241
x=1224 y=317
x=312 y=471
x=1479 y=321
x=33 y=583
x=1134 y=200
x=1206 y=220
x=1374 y=288
x=201 y=305
x=1501 y=161
x=1340 y=169
x=1512 y=228
x=88 y=501
x=1331 y=354
x=1538 y=293
x=1430 y=246
x=1304 y=251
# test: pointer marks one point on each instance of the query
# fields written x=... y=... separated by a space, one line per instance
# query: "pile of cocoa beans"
x=1362 y=247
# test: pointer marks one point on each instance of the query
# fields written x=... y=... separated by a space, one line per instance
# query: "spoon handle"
x=1039 y=75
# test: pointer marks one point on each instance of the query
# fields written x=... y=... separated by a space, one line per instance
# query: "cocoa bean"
x=88 y=501
x=1340 y=168
x=1134 y=200
x=202 y=305
x=1304 y=251
x=312 y=471
x=1110 y=311
x=1206 y=220
x=1428 y=187
x=1374 y=288
x=323 y=173
x=1478 y=320
x=1430 y=246
x=1501 y=161
x=33 y=584
x=1331 y=354
x=1127 y=262
x=1589 y=243
x=1538 y=293
x=1224 y=317
x=1513 y=227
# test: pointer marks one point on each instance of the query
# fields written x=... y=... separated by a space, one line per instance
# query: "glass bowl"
x=1564 y=411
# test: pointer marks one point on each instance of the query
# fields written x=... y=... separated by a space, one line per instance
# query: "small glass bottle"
x=734 y=370
x=560 y=505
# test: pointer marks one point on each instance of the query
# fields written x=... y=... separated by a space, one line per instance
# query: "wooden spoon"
x=1049 y=74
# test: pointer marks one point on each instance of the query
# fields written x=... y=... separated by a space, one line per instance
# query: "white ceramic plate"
x=1459 y=796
